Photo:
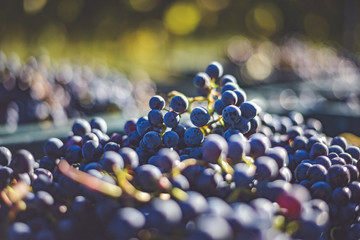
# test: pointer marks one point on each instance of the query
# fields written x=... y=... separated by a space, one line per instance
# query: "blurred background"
x=290 y=55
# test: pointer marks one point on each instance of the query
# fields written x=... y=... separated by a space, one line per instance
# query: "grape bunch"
x=213 y=166
x=43 y=89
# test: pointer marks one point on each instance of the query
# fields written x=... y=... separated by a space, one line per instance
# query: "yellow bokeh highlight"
x=182 y=18
x=145 y=43
x=316 y=26
x=34 y=6
x=266 y=19
x=143 y=5
x=214 y=5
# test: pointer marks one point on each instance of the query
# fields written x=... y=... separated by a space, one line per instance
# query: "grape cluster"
x=212 y=166
x=43 y=89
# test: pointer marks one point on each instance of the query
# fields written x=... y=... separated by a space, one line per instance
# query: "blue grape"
x=208 y=182
x=22 y=161
x=53 y=148
x=294 y=131
x=214 y=147
x=148 y=176
x=166 y=159
x=20 y=231
x=99 y=123
x=5 y=176
x=244 y=125
x=170 y=139
x=131 y=159
x=180 y=130
x=341 y=196
x=152 y=140
x=143 y=126
x=301 y=171
x=80 y=127
x=210 y=226
x=194 y=205
x=237 y=147
x=354 y=187
x=258 y=144
x=318 y=149
x=347 y=158
x=316 y=173
x=243 y=175
x=92 y=151
x=214 y=70
x=199 y=116
x=111 y=146
x=171 y=119
x=354 y=152
x=180 y=181
x=339 y=141
x=241 y=96
x=323 y=160
x=266 y=168
x=226 y=79
x=5 y=156
x=193 y=137
x=202 y=80
x=130 y=126
x=231 y=114
x=125 y=223
x=157 y=102
x=354 y=172
x=279 y=154
x=73 y=155
x=111 y=159
x=229 y=98
x=336 y=149
x=321 y=190
x=218 y=106
x=338 y=176
x=249 y=110
x=155 y=117
x=337 y=161
x=229 y=86
x=163 y=215
x=179 y=103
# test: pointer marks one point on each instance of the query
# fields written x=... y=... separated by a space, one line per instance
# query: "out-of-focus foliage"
x=164 y=37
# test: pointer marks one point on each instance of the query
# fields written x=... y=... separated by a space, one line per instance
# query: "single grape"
x=214 y=147
x=5 y=156
x=155 y=117
x=249 y=110
x=171 y=119
x=199 y=116
x=179 y=103
x=170 y=139
x=214 y=70
x=229 y=98
x=231 y=114
x=99 y=123
x=157 y=102
x=202 y=80
x=53 y=148
x=193 y=137
x=80 y=127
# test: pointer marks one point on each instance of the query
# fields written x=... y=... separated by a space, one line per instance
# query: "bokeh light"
x=182 y=18
x=34 y=6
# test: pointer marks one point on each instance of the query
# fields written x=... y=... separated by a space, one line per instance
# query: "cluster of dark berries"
x=43 y=90
x=212 y=166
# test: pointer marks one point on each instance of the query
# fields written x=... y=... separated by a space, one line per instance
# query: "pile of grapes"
x=43 y=89
x=213 y=166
